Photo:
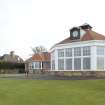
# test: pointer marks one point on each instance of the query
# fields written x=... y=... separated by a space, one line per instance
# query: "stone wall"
x=73 y=73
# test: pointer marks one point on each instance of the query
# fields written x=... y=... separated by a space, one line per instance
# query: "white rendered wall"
x=56 y=60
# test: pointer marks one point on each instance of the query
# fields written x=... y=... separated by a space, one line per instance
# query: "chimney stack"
x=12 y=53
x=86 y=26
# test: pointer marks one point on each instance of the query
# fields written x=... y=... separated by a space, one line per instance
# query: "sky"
x=25 y=24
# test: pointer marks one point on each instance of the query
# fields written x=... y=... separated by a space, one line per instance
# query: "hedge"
x=12 y=66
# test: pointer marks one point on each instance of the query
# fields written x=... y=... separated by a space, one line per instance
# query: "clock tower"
x=75 y=33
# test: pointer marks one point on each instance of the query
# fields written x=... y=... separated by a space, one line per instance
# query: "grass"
x=52 y=92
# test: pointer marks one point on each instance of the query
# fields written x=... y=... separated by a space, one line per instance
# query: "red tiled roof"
x=90 y=35
x=41 y=57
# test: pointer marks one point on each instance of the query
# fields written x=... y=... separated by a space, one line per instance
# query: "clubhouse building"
x=83 y=50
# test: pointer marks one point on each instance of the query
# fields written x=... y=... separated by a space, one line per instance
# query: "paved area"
x=44 y=77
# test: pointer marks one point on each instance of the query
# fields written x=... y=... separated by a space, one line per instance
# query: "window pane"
x=77 y=51
x=46 y=65
x=33 y=65
x=60 y=64
x=86 y=63
x=61 y=53
x=77 y=63
x=37 y=65
x=68 y=64
x=53 y=64
x=86 y=51
x=68 y=52
x=100 y=63
x=100 y=50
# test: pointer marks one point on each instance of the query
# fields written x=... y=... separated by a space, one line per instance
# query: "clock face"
x=75 y=33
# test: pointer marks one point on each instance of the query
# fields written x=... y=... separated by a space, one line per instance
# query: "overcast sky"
x=29 y=23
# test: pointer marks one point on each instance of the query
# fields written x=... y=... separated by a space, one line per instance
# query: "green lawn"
x=52 y=92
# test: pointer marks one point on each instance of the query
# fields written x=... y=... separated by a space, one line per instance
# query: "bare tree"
x=39 y=49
